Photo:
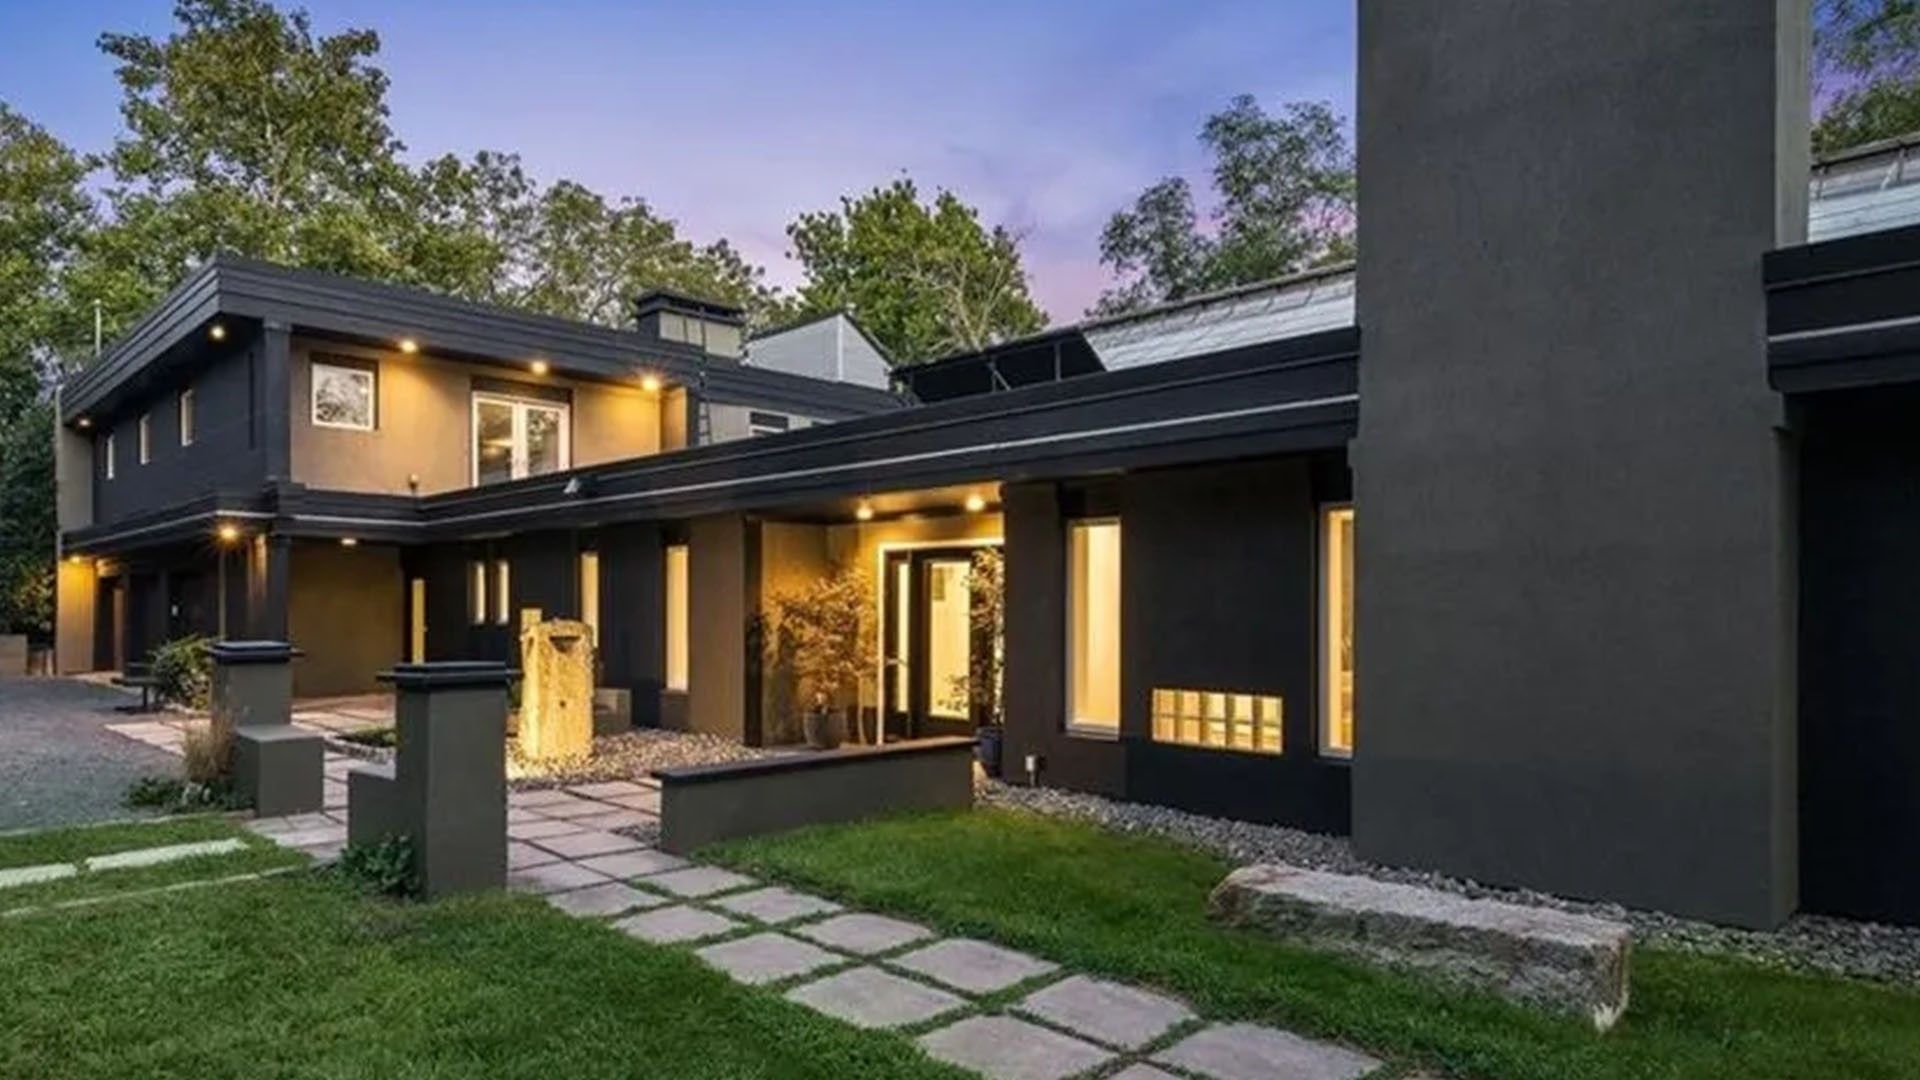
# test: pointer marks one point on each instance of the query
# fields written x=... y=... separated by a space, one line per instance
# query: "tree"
x=1286 y=189
x=924 y=280
x=1867 y=57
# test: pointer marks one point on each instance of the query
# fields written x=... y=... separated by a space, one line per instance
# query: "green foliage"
x=183 y=670
x=1286 y=189
x=172 y=795
x=979 y=691
x=825 y=631
x=924 y=280
x=382 y=868
x=27 y=525
x=373 y=736
x=1867 y=57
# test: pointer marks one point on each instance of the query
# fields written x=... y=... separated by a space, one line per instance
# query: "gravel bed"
x=1806 y=942
x=627 y=755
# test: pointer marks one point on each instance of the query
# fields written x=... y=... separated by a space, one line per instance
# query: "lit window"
x=477 y=592
x=108 y=448
x=502 y=591
x=146 y=438
x=676 y=617
x=1336 y=641
x=343 y=397
x=590 y=593
x=186 y=418
x=1218 y=719
x=518 y=437
x=1093 y=626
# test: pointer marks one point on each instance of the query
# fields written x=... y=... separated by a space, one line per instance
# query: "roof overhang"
x=1844 y=314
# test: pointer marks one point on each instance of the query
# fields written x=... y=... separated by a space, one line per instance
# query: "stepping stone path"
x=13 y=877
x=588 y=851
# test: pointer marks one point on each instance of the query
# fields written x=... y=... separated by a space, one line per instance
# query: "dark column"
x=633 y=616
x=275 y=405
x=1575 y=565
x=269 y=579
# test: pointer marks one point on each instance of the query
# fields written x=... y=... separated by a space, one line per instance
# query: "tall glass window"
x=590 y=593
x=502 y=591
x=1336 y=642
x=676 y=607
x=1093 y=626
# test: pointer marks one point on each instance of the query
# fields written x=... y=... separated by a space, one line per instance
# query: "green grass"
x=72 y=845
x=299 y=976
x=1134 y=908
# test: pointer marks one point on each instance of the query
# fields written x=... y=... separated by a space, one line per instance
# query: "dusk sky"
x=732 y=118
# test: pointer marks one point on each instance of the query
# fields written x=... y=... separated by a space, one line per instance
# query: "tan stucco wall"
x=423 y=420
x=73 y=599
x=345 y=607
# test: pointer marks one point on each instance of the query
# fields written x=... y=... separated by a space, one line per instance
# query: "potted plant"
x=825 y=633
x=985 y=673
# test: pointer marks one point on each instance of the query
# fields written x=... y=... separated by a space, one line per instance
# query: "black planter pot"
x=822 y=729
x=987 y=749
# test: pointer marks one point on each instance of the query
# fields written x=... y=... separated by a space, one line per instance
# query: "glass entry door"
x=929 y=641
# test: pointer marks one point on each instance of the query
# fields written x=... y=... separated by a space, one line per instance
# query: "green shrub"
x=373 y=736
x=171 y=795
x=383 y=868
x=183 y=670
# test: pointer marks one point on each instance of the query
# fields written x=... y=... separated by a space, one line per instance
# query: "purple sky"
x=733 y=117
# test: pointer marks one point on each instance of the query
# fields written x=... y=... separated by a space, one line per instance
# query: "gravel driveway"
x=58 y=762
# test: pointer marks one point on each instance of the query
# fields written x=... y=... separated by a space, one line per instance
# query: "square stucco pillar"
x=1574 y=500
x=276 y=765
x=448 y=790
x=723 y=595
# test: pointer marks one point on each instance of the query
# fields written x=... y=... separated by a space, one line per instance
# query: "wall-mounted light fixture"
x=349 y=541
x=227 y=532
x=650 y=383
x=409 y=346
x=74 y=559
x=975 y=502
x=538 y=367
x=217 y=332
x=85 y=422
x=864 y=511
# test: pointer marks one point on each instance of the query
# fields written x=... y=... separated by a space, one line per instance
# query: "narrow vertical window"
x=108 y=448
x=1336 y=642
x=146 y=438
x=1093 y=626
x=590 y=594
x=502 y=591
x=677 y=612
x=186 y=418
x=477 y=592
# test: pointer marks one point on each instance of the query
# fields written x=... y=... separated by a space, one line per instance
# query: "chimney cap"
x=658 y=300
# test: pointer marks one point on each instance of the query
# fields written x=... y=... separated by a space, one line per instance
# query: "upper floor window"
x=186 y=418
x=146 y=438
x=107 y=449
x=343 y=397
x=518 y=437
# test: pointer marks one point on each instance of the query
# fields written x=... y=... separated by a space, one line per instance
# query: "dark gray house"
x=1564 y=543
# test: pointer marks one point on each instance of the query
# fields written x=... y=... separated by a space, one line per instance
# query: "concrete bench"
x=703 y=804
x=1537 y=956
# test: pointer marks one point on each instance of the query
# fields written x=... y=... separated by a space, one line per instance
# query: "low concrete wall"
x=703 y=804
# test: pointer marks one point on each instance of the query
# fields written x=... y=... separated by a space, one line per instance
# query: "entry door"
x=929 y=642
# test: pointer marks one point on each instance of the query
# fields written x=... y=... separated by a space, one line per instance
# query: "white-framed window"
x=677 y=613
x=343 y=397
x=1093 y=626
x=186 y=418
x=502 y=591
x=1336 y=631
x=517 y=437
x=107 y=450
x=476 y=592
x=146 y=438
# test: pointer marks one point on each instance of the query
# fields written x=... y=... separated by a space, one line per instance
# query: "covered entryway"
x=939 y=627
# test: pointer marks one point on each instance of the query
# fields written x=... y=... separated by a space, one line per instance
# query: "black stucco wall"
x=224 y=454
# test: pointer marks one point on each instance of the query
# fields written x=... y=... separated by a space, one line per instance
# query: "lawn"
x=1134 y=908
x=73 y=845
x=298 y=975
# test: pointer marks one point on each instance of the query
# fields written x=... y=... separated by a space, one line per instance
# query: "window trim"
x=145 y=430
x=184 y=416
x=502 y=592
x=107 y=443
x=1069 y=722
x=345 y=365
x=1323 y=638
x=477 y=592
x=517 y=461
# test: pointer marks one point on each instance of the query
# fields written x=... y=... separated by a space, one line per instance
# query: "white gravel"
x=626 y=756
x=1806 y=942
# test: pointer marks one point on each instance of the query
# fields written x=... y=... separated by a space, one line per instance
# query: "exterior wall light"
x=409 y=346
x=650 y=383
x=538 y=367
x=85 y=422
x=864 y=511
x=217 y=332
x=228 y=533
x=74 y=559
x=349 y=541
x=975 y=503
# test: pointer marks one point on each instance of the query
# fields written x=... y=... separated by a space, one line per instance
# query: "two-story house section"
x=222 y=465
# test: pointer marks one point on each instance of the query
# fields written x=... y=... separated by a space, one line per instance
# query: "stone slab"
x=331 y=833
x=645 y=801
x=867 y=935
x=574 y=807
x=1106 y=1012
x=585 y=845
x=33 y=875
x=607 y=898
x=521 y=856
x=767 y=958
x=154 y=856
x=634 y=864
x=1538 y=956
x=614 y=819
x=1143 y=1071
x=535 y=830
x=1251 y=1052
x=540 y=797
x=697 y=881
x=553 y=877
x=606 y=789
x=775 y=904
x=974 y=967
x=1003 y=1048
x=673 y=925
x=870 y=998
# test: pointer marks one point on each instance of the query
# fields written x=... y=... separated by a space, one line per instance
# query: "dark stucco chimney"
x=1576 y=578
x=706 y=324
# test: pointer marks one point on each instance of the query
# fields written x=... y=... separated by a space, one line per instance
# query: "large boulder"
x=1538 y=956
